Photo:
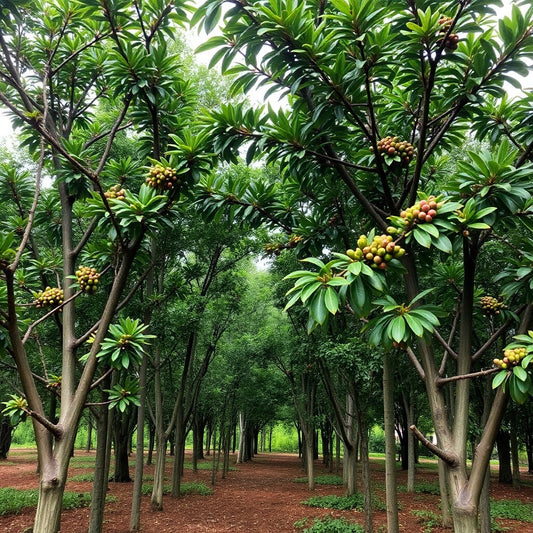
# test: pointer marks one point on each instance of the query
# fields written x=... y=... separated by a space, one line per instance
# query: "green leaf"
x=421 y=295
x=331 y=299
x=309 y=290
x=520 y=373
x=338 y=281
x=314 y=261
x=478 y=225
x=292 y=301
x=499 y=378
x=317 y=307
x=429 y=228
x=414 y=325
x=355 y=268
x=398 y=328
x=422 y=237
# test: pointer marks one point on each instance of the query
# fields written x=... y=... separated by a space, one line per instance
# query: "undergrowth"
x=343 y=503
x=12 y=501
x=423 y=487
x=191 y=487
x=326 y=479
x=511 y=509
x=328 y=525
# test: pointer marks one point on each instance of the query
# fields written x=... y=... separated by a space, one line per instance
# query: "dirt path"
x=260 y=497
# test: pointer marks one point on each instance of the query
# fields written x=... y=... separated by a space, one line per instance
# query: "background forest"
x=181 y=264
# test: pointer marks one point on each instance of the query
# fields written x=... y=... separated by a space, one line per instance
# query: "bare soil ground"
x=259 y=496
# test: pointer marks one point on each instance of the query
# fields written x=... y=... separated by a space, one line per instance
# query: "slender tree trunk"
x=159 y=472
x=101 y=465
x=242 y=429
x=444 y=495
x=411 y=460
x=505 y=474
x=514 y=451
x=390 y=447
x=89 y=433
x=6 y=433
x=366 y=478
x=484 y=505
x=135 y=518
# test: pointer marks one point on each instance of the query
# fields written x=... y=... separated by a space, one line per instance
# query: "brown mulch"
x=260 y=497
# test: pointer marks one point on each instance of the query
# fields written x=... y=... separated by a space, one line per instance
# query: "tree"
x=378 y=93
x=96 y=210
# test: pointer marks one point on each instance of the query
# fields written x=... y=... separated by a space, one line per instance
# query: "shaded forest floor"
x=260 y=496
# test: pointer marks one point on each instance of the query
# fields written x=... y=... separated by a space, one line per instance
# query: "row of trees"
x=123 y=194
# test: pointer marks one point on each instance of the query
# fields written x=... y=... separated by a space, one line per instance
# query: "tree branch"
x=441 y=381
x=449 y=458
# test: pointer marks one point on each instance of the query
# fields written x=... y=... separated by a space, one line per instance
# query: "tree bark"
x=390 y=447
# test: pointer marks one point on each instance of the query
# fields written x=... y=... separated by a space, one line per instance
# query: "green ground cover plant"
x=328 y=525
x=326 y=479
x=191 y=487
x=511 y=509
x=423 y=487
x=12 y=501
x=342 y=503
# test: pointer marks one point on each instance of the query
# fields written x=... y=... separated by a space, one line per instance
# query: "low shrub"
x=12 y=501
x=329 y=525
x=326 y=479
x=343 y=503
x=511 y=509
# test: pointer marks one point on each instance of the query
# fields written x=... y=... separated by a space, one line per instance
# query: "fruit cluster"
x=88 y=279
x=274 y=248
x=294 y=240
x=392 y=147
x=162 y=178
x=511 y=357
x=422 y=211
x=50 y=297
x=377 y=253
x=115 y=192
x=491 y=305
x=450 y=41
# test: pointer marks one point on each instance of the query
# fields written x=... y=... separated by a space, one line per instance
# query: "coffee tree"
x=380 y=96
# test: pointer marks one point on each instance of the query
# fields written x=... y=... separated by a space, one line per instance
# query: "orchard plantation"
x=184 y=269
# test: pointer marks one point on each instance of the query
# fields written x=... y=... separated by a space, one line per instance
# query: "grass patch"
x=12 y=501
x=88 y=476
x=326 y=479
x=191 y=487
x=328 y=525
x=343 y=503
x=82 y=459
x=423 y=487
x=511 y=509
x=82 y=465
x=429 y=519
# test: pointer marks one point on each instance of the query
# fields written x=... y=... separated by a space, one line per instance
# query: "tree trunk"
x=411 y=460
x=135 y=517
x=6 y=434
x=390 y=447
x=350 y=469
x=505 y=474
x=101 y=465
x=88 y=445
x=242 y=428
x=48 y=515
x=515 y=459
x=159 y=472
x=444 y=495
x=365 y=474
x=484 y=505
